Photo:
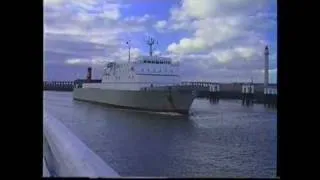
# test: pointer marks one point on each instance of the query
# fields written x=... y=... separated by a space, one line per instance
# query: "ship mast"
x=129 y=47
x=151 y=41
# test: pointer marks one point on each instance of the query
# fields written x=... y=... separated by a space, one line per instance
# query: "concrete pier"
x=247 y=94
x=270 y=97
x=67 y=156
x=45 y=171
x=214 y=93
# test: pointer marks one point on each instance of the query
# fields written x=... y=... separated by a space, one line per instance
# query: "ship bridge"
x=154 y=60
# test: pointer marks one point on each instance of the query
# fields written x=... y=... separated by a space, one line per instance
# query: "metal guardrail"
x=45 y=171
x=67 y=156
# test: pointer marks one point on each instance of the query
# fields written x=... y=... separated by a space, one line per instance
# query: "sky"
x=214 y=40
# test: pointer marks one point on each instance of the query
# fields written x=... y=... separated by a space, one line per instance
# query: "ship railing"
x=64 y=155
x=157 y=86
x=173 y=86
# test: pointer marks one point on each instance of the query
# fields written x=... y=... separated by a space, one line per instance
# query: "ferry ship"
x=149 y=83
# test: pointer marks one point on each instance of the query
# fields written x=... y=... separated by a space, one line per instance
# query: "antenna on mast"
x=151 y=41
x=129 y=47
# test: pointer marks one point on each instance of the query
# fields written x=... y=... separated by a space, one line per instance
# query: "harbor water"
x=216 y=140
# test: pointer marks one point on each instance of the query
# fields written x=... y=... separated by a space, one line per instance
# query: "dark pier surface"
x=249 y=93
x=58 y=85
x=66 y=85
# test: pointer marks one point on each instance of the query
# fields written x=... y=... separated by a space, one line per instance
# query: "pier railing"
x=67 y=156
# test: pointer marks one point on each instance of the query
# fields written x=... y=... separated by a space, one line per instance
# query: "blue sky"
x=215 y=40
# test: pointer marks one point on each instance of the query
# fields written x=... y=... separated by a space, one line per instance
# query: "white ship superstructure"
x=146 y=71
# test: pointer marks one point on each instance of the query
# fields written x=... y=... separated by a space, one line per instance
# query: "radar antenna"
x=129 y=47
x=151 y=41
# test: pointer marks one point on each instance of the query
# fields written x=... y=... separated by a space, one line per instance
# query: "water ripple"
x=216 y=140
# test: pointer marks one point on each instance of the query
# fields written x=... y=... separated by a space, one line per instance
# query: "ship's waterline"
x=158 y=101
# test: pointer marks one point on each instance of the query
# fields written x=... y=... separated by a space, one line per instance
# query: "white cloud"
x=85 y=29
x=160 y=24
x=78 y=61
x=211 y=32
x=224 y=31
x=113 y=14
x=184 y=25
x=187 y=45
x=224 y=56
x=138 y=19
x=193 y=8
x=227 y=38
x=201 y=9
x=120 y=55
x=123 y=55
x=245 y=52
